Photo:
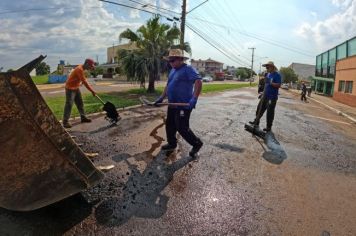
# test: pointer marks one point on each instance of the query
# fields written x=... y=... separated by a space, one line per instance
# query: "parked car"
x=207 y=79
x=285 y=86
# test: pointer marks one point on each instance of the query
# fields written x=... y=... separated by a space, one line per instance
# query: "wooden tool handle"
x=100 y=99
x=174 y=104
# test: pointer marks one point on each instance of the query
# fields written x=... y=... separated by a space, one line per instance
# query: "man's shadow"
x=142 y=192
x=275 y=153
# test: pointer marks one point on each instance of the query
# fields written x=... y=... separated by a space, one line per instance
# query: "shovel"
x=111 y=112
x=146 y=102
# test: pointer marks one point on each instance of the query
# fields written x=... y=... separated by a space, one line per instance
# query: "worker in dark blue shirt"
x=270 y=96
x=184 y=86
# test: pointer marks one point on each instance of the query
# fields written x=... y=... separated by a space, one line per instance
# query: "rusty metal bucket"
x=39 y=162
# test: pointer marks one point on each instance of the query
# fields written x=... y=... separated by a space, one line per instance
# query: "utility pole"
x=182 y=24
x=253 y=54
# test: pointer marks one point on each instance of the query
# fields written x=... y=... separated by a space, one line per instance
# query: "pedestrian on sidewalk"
x=309 y=91
x=269 y=98
x=304 y=93
x=73 y=94
x=184 y=86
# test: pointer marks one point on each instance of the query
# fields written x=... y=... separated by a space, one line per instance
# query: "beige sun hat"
x=176 y=53
x=270 y=63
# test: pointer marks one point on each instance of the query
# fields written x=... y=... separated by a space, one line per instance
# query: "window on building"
x=352 y=47
x=324 y=64
x=341 y=51
x=348 y=87
x=332 y=63
x=341 y=86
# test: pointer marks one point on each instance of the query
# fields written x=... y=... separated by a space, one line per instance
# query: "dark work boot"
x=66 y=124
x=84 y=119
x=268 y=129
x=193 y=153
x=255 y=123
x=168 y=147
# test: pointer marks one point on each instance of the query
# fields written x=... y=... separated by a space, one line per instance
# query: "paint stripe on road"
x=322 y=118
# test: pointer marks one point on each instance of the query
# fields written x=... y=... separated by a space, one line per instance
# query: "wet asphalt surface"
x=300 y=181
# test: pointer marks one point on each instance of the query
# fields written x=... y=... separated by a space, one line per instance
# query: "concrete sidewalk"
x=340 y=108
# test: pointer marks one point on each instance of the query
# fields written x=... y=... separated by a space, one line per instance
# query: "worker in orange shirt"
x=75 y=79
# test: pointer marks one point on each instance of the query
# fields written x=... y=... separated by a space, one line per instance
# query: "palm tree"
x=153 y=41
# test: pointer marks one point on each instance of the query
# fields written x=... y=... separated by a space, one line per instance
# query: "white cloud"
x=134 y=14
x=333 y=30
x=341 y=3
x=314 y=14
x=69 y=33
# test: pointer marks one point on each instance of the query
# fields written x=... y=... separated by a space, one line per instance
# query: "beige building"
x=112 y=52
x=345 y=81
x=207 y=66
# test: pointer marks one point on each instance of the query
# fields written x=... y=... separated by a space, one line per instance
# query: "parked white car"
x=207 y=79
x=285 y=86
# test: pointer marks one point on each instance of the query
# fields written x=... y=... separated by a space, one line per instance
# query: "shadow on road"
x=55 y=219
x=102 y=129
x=275 y=154
x=229 y=147
x=142 y=192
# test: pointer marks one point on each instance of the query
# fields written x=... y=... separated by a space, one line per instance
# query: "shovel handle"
x=173 y=104
x=99 y=99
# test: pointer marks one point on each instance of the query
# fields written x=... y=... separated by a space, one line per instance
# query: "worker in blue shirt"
x=270 y=96
x=184 y=86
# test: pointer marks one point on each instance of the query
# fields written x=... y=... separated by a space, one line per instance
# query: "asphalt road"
x=239 y=185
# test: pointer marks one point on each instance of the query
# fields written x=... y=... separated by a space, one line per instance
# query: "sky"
x=283 y=31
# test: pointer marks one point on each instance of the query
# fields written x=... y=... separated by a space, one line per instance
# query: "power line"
x=153 y=6
x=140 y=9
x=227 y=42
x=39 y=9
x=128 y=6
x=277 y=44
x=221 y=46
x=196 y=31
x=197 y=6
x=215 y=31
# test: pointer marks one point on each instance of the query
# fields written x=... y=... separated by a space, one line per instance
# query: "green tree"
x=244 y=72
x=97 y=71
x=42 y=69
x=153 y=41
x=288 y=75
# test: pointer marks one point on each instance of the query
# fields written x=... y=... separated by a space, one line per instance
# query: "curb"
x=331 y=108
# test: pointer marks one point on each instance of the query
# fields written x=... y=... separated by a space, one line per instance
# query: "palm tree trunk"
x=151 y=82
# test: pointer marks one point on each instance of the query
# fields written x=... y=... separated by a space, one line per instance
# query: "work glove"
x=158 y=100
x=193 y=101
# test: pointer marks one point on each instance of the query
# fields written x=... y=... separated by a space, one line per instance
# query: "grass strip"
x=124 y=99
x=40 y=79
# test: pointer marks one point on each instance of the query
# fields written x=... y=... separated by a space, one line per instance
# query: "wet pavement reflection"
x=299 y=180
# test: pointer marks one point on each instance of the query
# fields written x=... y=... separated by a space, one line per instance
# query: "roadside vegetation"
x=125 y=99
x=210 y=88
x=40 y=79
x=152 y=42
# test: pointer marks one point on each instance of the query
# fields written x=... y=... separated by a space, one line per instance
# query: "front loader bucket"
x=39 y=162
